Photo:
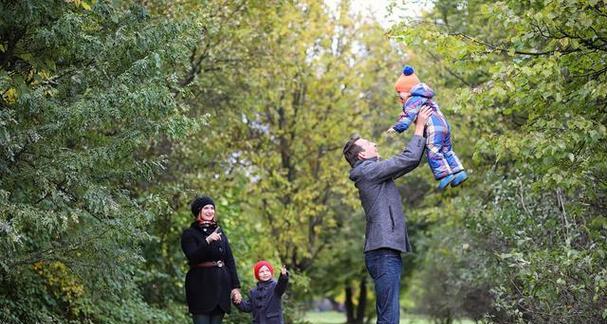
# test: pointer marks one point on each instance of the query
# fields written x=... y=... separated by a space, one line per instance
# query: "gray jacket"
x=374 y=178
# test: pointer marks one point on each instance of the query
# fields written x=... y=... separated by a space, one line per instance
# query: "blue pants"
x=441 y=158
x=385 y=267
x=207 y=319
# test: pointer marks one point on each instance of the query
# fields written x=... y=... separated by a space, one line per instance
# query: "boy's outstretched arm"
x=283 y=280
x=408 y=117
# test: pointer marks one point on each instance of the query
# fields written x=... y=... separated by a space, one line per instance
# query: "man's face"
x=369 y=149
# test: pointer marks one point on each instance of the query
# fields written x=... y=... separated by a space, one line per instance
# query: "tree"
x=530 y=88
x=84 y=87
x=229 y=42
x=318 y=89
x=288 y=115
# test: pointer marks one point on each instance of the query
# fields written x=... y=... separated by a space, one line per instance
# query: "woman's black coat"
x=208 y=288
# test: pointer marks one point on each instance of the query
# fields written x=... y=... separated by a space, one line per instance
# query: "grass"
x=325 y=317
x=340 y=318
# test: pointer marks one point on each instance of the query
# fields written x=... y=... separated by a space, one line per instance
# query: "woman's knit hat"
x=407 y=80
x=258 y=266
x=200 y=202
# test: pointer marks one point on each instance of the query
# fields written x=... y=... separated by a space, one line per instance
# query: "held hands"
x=236 y=296
x=215 y=236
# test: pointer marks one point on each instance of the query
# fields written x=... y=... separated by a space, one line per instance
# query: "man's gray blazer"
x=374 y=178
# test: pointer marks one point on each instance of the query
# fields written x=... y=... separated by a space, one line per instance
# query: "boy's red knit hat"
x=258 y=266
x=407 y=80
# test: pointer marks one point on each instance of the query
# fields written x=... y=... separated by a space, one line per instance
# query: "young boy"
x=265 y=299
x=443 y=162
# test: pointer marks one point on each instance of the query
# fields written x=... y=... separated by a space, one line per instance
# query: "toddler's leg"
x=437 y=132
x=435 y=139
x=454 y=162
x=437 y=162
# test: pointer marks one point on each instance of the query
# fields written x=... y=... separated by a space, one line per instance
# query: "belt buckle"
x=219 y=263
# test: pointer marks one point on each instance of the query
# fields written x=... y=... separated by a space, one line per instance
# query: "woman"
x=212 y=279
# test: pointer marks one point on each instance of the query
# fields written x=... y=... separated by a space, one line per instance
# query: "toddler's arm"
x=410 y=111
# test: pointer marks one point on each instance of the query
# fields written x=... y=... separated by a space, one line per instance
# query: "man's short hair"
x=351 y=150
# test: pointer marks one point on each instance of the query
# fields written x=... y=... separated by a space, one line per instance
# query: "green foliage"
x=231 y=40
x=83 y=90
x=113 y=116
x=291 y=133
x=284 y=95
x=528 y=79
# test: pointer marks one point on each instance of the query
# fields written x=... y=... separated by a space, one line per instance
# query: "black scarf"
x=205 y=227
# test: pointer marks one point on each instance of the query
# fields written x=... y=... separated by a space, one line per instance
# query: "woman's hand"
x=235 y=295
x=215 y=236
x=283 y=270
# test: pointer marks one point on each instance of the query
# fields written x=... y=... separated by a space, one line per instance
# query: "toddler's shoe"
x=444 y=182
x=459 y=178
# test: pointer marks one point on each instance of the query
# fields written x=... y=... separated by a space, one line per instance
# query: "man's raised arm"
x=408 y=159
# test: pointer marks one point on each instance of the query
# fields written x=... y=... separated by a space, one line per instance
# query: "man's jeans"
x=385 y=267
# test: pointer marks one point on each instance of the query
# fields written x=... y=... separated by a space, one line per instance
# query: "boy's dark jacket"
x=265 y=301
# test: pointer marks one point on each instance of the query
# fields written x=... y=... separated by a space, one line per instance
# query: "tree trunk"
x=356 y=316
x=362 y=301
x=349 y=304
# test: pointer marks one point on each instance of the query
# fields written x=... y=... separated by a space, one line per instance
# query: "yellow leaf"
x=11 y=95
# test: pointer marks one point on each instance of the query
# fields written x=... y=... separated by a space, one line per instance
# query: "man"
x=386 y=232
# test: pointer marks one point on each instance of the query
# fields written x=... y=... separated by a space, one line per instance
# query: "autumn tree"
x=84 y=87
x=527 y=235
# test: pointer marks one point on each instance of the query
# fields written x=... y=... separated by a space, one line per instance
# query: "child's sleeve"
x=281 y=286
x=245 y=305
x=410 y=111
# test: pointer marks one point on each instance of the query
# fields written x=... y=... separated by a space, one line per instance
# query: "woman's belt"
x=208 y=264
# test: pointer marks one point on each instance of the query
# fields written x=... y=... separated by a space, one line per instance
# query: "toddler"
x=443 y=162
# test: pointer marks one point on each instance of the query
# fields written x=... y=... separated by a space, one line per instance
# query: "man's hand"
x=390 y=131
x=215 y=236
x=422 y=118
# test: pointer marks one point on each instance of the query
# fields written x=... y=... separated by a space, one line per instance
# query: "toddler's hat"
x=407 y=80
